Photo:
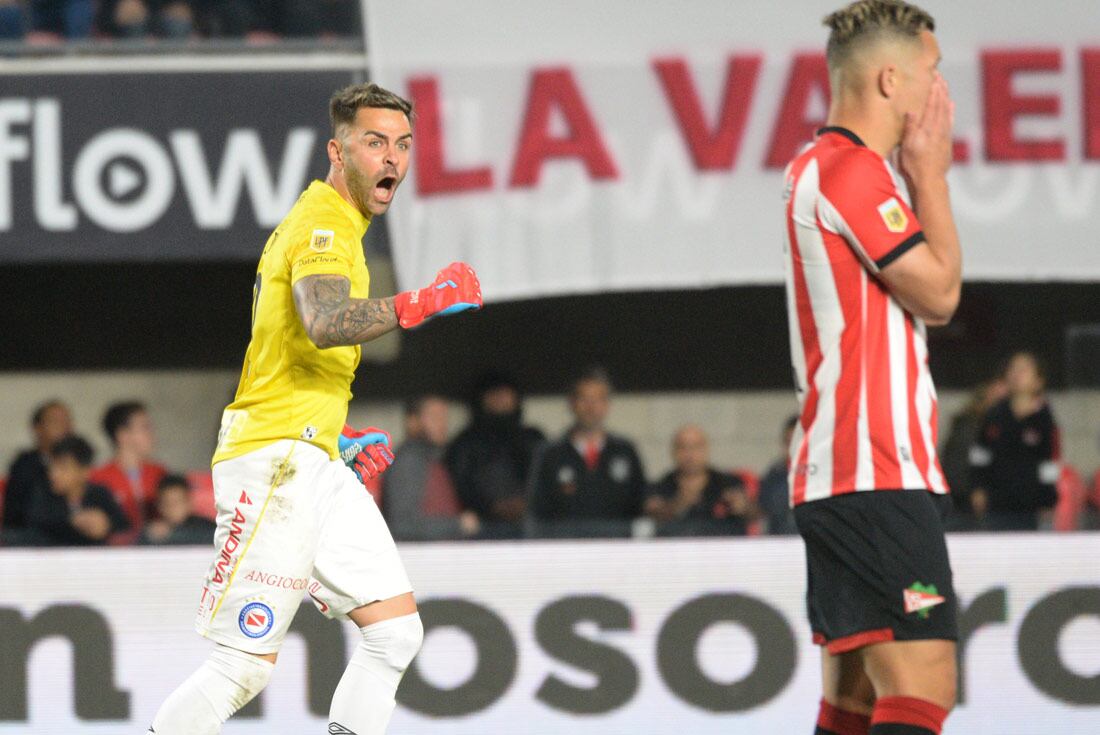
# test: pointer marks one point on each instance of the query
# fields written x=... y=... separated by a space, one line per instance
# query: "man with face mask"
x=491 y=458
x=293 y=515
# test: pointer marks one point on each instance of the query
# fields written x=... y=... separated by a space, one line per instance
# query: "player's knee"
x=394 y=642
x=249 y=672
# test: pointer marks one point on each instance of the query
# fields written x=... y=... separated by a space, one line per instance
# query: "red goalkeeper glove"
x=366 y=452
x=455 y=289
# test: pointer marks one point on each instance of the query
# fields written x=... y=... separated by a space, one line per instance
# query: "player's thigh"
x=357 y=563
x=376 y=612
x=924 y=669
x=264 y=547
x=845 y=684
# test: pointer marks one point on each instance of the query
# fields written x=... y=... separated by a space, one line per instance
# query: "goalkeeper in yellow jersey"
x=293 y=516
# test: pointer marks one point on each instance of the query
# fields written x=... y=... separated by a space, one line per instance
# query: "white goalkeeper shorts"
x=292 y=522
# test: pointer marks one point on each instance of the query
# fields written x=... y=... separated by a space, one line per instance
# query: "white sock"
x=364 y=699
x=227 y=681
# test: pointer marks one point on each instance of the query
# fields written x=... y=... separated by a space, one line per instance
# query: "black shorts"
x=877 y=568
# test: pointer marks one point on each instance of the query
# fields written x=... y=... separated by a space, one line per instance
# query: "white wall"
x=186 y=407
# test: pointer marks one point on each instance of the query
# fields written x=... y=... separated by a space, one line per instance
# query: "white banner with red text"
x=590 y=638
x=573 y=147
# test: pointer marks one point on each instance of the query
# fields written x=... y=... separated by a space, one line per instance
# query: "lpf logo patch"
x=256 y=620
x=893 y=215
x=321 y=240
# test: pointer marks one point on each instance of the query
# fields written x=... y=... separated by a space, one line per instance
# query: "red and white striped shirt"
x=869 y=410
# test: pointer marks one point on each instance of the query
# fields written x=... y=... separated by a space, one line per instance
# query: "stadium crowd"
x=502 y=479
x=47 y=22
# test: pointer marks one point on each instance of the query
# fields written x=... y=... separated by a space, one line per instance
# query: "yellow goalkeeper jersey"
x=289 y=388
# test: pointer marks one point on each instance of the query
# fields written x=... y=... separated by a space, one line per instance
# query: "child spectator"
x=176 y=524
x=75 y=512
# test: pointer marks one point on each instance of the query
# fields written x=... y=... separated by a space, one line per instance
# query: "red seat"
x=202 y=493
x=752 y=488
x=1072 y=497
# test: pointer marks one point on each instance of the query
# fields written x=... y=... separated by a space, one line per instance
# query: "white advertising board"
x=588 y=638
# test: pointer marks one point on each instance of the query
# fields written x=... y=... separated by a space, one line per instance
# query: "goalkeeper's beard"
x=358 y=187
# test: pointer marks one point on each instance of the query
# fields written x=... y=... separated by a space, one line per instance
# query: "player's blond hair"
x=866 y=21
x=345 y=103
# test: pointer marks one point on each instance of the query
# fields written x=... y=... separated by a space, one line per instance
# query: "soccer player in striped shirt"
x=872 y=256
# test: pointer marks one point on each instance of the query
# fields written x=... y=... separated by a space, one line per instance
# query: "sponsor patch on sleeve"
x=321 y=240
x=893 y=215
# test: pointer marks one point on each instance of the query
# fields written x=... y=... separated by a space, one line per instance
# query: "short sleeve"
x=322 y=248
x=860 y=201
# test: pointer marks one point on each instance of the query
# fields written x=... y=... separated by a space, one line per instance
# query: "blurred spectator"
x=1015 y=457
x=176 y=523
x=312 y=18
x=694 y=499
x=175 y=20
x=590 y=478
x=420 y=502
x=74 y=512
x=28 y=477
x=131 y=475
x=955 y=452
x=490 y=460
x=775 y=489
x=126 y=19
x=13 y=20
x=71 y=19
x=136 y=19
x=225 y=18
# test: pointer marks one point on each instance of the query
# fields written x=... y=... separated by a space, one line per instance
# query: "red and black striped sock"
x=907 y=716
x=832 y=720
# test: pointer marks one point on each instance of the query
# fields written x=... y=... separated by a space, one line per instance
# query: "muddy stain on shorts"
x=282 y=472
x=278 y=510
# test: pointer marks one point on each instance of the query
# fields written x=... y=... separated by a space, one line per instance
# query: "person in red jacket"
x=131 y=475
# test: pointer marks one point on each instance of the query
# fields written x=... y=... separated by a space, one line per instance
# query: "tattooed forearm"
x=332 y=318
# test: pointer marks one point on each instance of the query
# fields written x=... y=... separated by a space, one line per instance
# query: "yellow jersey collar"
x=321 y=189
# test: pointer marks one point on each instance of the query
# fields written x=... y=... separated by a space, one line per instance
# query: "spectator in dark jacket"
x=71 y=19
x=695 y=499
x=775 y=487
x=590 y=482
x=489 y=461
x=28 y=477
x=419 y=499
x=13 y=20
x=1015 y=457
x=955 y=452
x=176 y=523
x=74 y=512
